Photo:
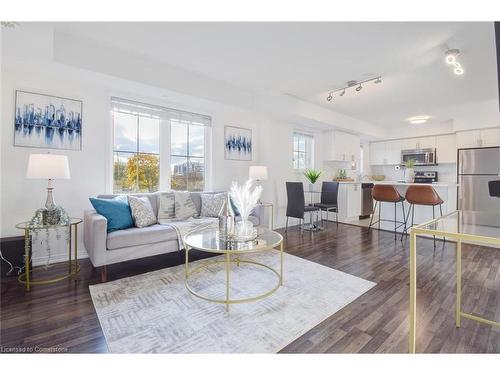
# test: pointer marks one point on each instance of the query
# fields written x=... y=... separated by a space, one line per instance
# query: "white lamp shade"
x=258 y=173
x=48 y=166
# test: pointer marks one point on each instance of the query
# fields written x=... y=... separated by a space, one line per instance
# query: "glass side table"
x=474 y=227
x=73 y=266
x=271 y=206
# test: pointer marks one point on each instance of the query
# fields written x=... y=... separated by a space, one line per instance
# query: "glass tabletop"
x=467 y=223
x=27 y=224
x=208 y=240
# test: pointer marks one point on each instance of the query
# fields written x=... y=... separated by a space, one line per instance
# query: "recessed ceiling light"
x=418 y=119
x=359 y=87
x=329 y=97
x=451 y=55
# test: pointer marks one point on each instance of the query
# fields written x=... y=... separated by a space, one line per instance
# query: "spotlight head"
x=359 y=87
x=458 y=71
x=342 y=93
x=378 y=80
x=451 y=56
x=329 y=97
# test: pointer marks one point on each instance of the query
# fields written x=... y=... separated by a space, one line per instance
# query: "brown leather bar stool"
x=423 y=195
x=387 y=193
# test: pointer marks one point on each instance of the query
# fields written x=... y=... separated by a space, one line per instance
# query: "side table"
x=73 y=266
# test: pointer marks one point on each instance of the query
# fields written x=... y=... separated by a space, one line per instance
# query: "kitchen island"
x=350 y=203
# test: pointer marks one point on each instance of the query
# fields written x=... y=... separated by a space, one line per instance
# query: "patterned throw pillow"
x=142 y=211
x=166 y=206
x=184 y=205
x=211 y=204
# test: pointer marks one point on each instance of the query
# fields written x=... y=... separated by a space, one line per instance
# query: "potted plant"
x=312 y=176
x=409 y=171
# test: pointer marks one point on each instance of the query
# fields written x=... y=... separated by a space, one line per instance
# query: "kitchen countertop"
x=398 y=183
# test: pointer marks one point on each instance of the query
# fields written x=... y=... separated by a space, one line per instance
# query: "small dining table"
x=313 y=225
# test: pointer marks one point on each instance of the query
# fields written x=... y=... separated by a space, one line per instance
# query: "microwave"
x=424 y=156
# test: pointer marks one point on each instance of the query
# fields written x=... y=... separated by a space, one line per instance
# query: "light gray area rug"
x=154 y=313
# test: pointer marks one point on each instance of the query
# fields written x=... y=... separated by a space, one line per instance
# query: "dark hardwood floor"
x=62 y=315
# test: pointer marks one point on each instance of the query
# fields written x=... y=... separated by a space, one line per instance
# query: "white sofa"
x=108 y=248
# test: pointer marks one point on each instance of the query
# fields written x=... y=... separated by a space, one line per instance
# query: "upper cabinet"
x=385 y=153
x=418 y=143
x=478 y=138
x=340 y=146
x=446 y=148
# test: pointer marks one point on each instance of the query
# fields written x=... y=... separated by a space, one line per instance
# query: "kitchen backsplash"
x=446 y=172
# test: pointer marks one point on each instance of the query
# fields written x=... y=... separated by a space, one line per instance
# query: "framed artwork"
x=47 y=121
x=237 y=143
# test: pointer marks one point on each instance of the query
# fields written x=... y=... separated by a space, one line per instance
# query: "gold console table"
x=459 y=226
x=73 y=266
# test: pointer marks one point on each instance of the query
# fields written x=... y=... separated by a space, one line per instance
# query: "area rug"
x=154 y=313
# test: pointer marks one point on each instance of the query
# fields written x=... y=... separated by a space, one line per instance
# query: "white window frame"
x=309 y=149
x=165 y=141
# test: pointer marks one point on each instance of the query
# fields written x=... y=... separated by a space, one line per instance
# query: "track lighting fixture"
x=451 y=59
x=357 y=85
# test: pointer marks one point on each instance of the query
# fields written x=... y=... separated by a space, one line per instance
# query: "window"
x=156 y=147
x=187 y=161
x=136 y=153
x=303 y=150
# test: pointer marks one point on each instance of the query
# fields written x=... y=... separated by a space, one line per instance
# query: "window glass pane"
x=178 y=173
x=149 y=135
x=196 y=140
x=295 y=160
x=178 y=140
x=302 y=143
x=302 y=162
x=123 y=181
x=196 y=174
x=146 y=170
x=125 y=132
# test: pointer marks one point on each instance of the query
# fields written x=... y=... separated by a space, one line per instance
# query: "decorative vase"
x=226 y=221
x=409 y=175
x=244 y=228
x=311 y=187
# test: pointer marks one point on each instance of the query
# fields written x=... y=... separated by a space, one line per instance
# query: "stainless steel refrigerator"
x=476 y=167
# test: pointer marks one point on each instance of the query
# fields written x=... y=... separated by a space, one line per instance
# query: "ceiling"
x=306 y=60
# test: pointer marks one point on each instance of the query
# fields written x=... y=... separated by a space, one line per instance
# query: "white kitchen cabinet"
x=418 y=143
x=385 y=153
x=478 y=138
x=377 y=153
x=340 y=146
x=490 y=137
x=393 y=152
x=349 y=201
x=446 y=148
x=353 y=200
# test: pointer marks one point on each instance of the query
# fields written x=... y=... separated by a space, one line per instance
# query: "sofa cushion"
x=140 y=236
x=211 y=204
x=142 y=212
x=116 y=211
x=184 y=206
x=153 y=198
x=166 y=205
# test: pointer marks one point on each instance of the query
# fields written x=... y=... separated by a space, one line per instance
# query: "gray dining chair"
x=296 y=205
x=329 y=198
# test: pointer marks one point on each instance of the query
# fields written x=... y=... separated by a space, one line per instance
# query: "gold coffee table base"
x=228 y=263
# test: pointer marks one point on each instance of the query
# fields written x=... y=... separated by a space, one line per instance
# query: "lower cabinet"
x=349 y=201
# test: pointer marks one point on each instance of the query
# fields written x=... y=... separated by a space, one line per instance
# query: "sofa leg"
x=104 y=274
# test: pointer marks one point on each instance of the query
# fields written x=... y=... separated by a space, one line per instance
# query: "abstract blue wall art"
x=237 y=143
x=47 y=121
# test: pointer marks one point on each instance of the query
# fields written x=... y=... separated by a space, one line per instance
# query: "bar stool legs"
x=396 y=222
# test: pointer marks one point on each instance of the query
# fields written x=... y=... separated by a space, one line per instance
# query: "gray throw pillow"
x=211 y=204
x=142 y=211
x=184 y=205
x=166 y=205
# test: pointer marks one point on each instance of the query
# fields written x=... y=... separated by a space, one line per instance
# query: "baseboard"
x=57 y=258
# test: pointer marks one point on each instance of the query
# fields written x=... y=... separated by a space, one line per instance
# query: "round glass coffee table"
x=207 y=240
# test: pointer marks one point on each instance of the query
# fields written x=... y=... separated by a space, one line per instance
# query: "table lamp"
x=50 y=167
x=258 y=173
